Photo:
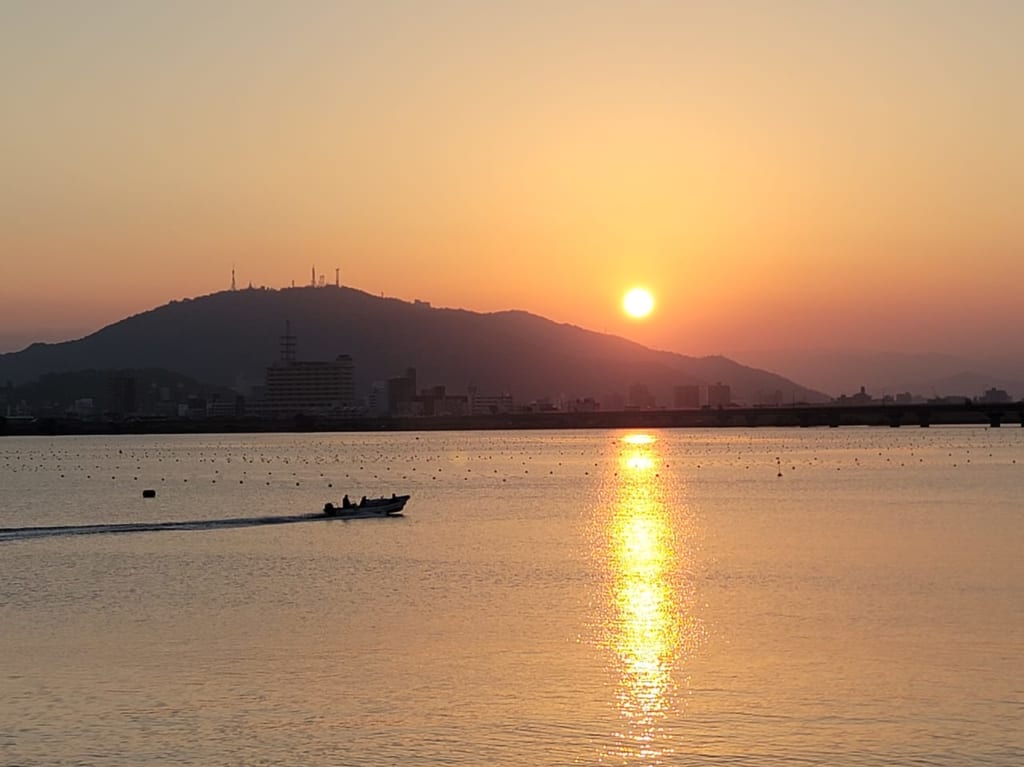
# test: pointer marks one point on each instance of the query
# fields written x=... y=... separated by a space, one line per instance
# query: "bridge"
x=892 y=415
x=830 y=415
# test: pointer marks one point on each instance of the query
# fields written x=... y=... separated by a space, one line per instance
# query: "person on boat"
x=345 y=502
x=362 y=502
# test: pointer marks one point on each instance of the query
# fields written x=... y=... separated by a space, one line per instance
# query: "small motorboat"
x=367 y=507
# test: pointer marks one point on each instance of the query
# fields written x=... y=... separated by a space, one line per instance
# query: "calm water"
x=567 y=598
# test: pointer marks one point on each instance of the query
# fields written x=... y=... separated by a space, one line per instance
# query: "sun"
x=638 y=303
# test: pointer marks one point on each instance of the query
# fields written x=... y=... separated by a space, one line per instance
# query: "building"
x=686 y=396
x=860 y=398
x=309 y=387
x=640 y=396
x=769 y=398
x=122 y=394
x=489 y=404
x=541 y=405
x=193 y=407
x=995 y=396
x=377 y=401
x=84 y=407
x=719 y=395
x=401 y=392
x=615 y=402
x=436 y=401
x=225 y=407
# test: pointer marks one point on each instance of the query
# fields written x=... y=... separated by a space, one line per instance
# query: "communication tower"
x=287 y=343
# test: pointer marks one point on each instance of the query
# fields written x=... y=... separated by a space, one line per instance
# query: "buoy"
x=149 y=493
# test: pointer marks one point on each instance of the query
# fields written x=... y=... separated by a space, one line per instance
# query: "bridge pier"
x=995 y=418
x=895 y=418
x=924 y=419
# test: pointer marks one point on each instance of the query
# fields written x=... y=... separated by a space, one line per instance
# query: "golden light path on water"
x=648 y=627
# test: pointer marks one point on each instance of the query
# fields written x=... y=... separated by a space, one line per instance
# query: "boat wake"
x=26 y=533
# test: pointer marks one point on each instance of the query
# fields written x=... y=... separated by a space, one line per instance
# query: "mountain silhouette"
x=229 y=338
x=926 y=374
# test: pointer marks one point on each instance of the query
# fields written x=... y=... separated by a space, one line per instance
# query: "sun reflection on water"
x=647 y=625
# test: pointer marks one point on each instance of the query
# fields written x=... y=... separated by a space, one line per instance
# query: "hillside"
x=926 y=374
x=229 y=338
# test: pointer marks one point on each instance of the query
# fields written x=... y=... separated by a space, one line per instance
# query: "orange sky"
x=779 y=175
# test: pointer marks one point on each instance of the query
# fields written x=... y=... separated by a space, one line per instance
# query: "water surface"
x=549 y=598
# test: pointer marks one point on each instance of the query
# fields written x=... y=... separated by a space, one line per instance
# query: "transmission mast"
x=287 y=343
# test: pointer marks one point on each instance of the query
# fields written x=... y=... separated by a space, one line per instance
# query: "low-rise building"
x=995 y=397
x=436 y=401
x=489 y=404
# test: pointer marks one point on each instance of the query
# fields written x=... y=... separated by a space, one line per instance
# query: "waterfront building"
x=377 y=402
x=489 y=404
x=296 y=387
x=225 y=407
x=686 y=396
x=401 y=391
x=614 y=401
x=122 y=394
x=719 y=395
x=437 y=402
x=995 y=396
x=860 y=398
x=640 y=396
x=83 y=407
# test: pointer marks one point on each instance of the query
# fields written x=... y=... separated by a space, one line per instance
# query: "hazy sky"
x=779 y=174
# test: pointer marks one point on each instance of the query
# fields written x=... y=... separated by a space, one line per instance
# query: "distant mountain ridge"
x=844 y=372
x=229 y=338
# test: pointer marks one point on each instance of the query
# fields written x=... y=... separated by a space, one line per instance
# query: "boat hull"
x=372 y=507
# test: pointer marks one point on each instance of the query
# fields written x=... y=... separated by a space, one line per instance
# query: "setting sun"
x=638 y=303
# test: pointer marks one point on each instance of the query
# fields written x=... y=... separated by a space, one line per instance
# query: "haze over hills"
x=844 y=372
x=229 y=338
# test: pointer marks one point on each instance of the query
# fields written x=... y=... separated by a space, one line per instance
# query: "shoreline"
x=799 y=416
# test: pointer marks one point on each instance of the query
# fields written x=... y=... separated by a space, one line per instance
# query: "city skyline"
x=789 y=177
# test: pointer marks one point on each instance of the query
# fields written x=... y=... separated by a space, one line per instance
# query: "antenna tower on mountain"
x=287 y=343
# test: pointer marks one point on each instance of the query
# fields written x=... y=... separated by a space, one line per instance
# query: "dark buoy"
x=149 y=493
